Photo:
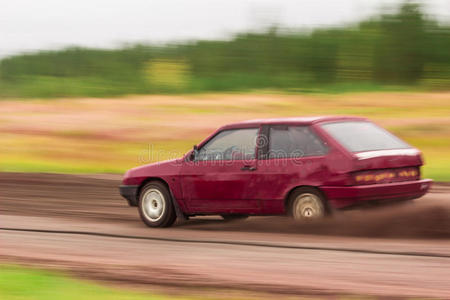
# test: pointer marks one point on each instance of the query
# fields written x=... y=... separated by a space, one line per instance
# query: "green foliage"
x=399 y=54
x=168 y=75
x=405 y=48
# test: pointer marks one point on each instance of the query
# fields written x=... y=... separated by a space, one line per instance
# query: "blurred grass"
x=17 y=283
x=436 y=151
x=20 y=283
x=113 y=135
x=77 y=155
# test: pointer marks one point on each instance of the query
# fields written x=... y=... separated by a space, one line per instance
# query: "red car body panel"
x=211 y=187
x=166 y=171
x=342 y=196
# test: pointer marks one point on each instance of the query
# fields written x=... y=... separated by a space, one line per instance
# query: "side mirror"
x=193 y=153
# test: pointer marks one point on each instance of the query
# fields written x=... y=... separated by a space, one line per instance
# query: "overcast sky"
x=27 y=25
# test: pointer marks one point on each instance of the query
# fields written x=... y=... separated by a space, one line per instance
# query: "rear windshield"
x=359 y=136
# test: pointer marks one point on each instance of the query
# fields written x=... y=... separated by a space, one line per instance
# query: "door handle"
x=248 y=168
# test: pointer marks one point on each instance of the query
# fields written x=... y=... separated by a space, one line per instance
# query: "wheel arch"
x=311 y=187
x=179 y=212
x=150 y=179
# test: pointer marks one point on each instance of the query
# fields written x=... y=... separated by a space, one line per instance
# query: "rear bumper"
x=343 y=196
x=129 y=192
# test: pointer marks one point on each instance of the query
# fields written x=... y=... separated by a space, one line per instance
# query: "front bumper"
x=129 y=192
x=344 y=196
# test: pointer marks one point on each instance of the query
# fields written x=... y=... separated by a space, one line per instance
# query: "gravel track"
x=81 y=225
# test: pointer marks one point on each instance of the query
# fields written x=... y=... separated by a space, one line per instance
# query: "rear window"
x=359 y=136
x=293 y=142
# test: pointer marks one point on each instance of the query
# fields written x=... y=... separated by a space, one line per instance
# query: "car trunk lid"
x=387 y=159
x=385 y=166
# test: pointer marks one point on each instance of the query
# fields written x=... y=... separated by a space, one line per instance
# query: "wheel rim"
x=153 y=204
x=307 y=206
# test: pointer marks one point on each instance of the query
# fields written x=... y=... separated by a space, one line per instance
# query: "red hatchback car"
x=304 y=167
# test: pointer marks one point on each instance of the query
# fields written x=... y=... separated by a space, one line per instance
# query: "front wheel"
x=155 y=205
x=307 y=204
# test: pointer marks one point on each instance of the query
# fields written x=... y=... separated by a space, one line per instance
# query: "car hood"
x=159 y=169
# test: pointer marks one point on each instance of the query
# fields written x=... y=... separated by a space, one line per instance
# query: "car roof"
x=294 y=120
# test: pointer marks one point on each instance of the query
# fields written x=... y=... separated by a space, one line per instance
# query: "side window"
x=294 y=142
x=235 y=144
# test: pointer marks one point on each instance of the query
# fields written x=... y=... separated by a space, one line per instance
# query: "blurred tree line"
x=405 y=48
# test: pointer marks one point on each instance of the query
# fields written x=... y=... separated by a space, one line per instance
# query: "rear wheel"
x=307 y=204
x=234 y=217
x=155 y=205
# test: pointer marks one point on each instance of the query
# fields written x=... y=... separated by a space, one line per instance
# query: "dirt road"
x=81 y=225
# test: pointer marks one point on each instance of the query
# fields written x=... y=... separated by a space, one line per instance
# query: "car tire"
x=155 y=205
x=307 y=204
x=233 y=217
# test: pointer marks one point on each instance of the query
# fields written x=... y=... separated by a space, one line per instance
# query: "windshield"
x=359 y=136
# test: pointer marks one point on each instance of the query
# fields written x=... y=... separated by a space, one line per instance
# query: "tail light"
x=386 y=176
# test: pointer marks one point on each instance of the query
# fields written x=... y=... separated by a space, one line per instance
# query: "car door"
x=217 y=179
x=292 y=156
